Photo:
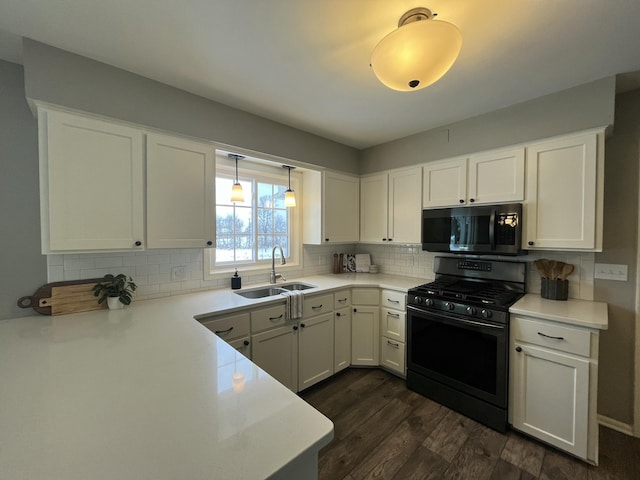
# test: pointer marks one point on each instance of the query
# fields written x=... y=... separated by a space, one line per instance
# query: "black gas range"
x=458 y=334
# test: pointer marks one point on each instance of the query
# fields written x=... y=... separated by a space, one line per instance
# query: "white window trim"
x=294 y=262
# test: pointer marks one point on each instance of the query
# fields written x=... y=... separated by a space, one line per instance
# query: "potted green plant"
x=117 y=290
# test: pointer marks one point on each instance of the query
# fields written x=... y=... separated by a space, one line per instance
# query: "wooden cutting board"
x=59 y=298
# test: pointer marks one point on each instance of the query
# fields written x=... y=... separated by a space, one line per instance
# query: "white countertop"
x=147 y=393
x=583 y=313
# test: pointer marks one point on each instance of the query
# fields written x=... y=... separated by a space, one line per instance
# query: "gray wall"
x=615 y=395
x=62 y=78
x=578 y=108
x=22 y=268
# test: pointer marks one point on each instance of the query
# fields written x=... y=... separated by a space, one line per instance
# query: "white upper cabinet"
x=445 y=183
x=331 y=208
x=563 y=208
x=496 y=176
x=180 y=193
x=91 y=183
x=390 y=206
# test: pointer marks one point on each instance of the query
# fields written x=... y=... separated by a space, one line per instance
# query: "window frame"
x=250 y=171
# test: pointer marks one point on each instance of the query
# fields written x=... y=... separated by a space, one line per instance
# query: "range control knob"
x=429 y=302
x=471 y=310
x=449 y=305
x=486 y=313
x=417 y=300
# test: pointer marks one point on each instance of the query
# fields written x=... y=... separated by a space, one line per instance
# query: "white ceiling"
x=305 y=63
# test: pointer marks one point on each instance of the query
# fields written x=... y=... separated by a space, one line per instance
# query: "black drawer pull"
x=394 y=345
x=218 y=332
x=394 y=315
x=318 y=307
x=342 y=300
x=392 y=301
x=276 y=318
x=549 y=336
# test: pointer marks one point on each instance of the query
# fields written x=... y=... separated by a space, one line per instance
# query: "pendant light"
x=289 y=195
x=418 y=53
x=237 y=195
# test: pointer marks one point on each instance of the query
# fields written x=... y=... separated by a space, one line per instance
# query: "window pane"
x=280 y=221
x=265 y=195
x=244 y=248
x=279 y=195
x=265 y=221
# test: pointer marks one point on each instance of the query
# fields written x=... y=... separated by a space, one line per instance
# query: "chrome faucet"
x=275 y=276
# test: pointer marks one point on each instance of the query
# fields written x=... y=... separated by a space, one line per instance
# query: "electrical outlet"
x=610 y=271
x=178 y=274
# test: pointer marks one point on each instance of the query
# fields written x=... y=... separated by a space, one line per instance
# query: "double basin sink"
x=273 y=290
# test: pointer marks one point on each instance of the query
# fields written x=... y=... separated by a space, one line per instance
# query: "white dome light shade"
x=417 y=54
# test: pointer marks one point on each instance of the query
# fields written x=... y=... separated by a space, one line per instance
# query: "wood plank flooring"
x=385 y=431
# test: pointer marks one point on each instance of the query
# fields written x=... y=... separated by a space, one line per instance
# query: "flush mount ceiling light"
x=237 y=195
x=418 y=53
x=289 y=195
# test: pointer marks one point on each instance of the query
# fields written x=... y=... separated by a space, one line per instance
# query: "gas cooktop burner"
x=484 y=293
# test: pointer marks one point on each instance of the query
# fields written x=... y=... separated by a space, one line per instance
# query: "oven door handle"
x=472 y=323
x=492 y=229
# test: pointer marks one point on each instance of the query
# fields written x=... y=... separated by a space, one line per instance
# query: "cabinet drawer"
x=229 y=327
x=341 y=299
x=392 y=355
x=268 y=317
x=552 y=335
x=393 y=324
x=317 y=305
x=393 y=299
x=365 y=296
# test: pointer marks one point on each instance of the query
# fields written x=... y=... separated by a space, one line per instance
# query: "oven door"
x=466 y=354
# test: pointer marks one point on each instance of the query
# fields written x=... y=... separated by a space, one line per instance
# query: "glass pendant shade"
x=237 y=195
x=417 y=54
x=289 y=198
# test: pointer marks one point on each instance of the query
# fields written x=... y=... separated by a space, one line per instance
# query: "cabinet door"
x=560 y=209
x=180 y=193
x=315 y=350
x=393 y=324
x=91 y=183
x=374 y=208
x=551 y=397
x=445 y=183
x=342 y=339
x=496 y=176
x=276 y=352
x=341 y=208
x=365 y=336
x=405 y=208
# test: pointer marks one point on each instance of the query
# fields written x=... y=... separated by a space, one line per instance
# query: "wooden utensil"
x=567 y=269
x=59 y=298
x=543 y=267
x=556 y=269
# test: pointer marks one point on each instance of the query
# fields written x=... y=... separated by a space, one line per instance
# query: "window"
x=246 y=232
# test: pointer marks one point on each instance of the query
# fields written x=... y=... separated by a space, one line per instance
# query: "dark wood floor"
x=384 y=431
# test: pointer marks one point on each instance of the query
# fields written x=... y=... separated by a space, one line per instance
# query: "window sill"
x=247 y=270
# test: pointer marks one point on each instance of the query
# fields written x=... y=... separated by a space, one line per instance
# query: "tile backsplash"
x=153 y=270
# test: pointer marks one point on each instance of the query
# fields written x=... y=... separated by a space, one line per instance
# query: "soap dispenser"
x=236 y=281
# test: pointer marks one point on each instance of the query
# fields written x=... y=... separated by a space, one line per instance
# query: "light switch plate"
x=611 y=271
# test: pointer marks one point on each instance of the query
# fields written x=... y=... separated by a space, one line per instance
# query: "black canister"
x=554 y=289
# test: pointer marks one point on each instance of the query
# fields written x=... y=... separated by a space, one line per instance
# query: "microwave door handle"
x=492 y=229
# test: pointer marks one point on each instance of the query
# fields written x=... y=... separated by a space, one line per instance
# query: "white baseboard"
x=616 y=425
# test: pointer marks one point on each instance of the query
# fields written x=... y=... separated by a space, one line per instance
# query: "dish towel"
x=363 y=261
x=294 y=304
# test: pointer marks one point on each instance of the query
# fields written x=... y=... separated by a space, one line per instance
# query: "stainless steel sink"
x=296 y=286
x=260 y=292
x=273 y=290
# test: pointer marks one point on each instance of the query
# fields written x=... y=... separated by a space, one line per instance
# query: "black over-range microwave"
x=478 y=229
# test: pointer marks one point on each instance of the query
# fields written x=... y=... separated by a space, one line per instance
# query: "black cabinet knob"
x=209 y=242
x=384 y=239
x=338 y=314
x=355 y=309
x=389 y=239
x=461 y=200
x=530 y=242
x=302 y=325
x=295 y=327
x=246 y=342
x=471 y=200
x=518 y=349
x=326 y=239
x=138 y=243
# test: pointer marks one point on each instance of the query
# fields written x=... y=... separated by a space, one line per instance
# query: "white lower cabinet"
x=553 y=380
x=365 y=327
x=315 y=350
x=234 y=329
x=276 y=352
